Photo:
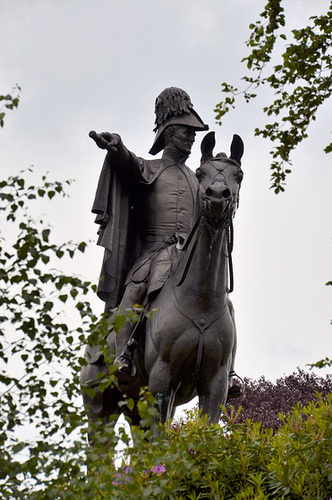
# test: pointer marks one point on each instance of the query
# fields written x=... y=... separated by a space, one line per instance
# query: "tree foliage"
x=301 y=81
x=39 y=350
x=263 y=401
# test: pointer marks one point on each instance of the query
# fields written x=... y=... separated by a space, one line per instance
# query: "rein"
x=200 y=223
x=198 y=228
x=230 y=244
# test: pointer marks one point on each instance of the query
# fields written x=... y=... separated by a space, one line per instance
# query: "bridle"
x=204 y=221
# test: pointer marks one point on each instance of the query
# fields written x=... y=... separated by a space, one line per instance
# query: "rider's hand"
x=106 y=140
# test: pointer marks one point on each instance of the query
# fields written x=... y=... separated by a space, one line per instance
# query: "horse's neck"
x=207 y=275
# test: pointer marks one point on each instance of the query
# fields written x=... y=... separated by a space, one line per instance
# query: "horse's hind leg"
x=212 y=394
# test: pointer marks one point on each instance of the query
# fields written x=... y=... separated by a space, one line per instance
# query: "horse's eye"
x=239 y=176
x=199 y=174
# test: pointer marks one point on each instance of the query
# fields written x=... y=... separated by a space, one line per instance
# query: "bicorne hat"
x=174 y=107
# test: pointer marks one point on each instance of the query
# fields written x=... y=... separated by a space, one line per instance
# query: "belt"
x=171 y=238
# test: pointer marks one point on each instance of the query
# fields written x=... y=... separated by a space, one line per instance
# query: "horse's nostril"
x=218 y=192
x=226 y=193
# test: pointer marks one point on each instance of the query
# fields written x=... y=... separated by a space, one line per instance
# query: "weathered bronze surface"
x=168 y=240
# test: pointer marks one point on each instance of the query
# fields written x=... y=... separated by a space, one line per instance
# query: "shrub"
x=264 y=400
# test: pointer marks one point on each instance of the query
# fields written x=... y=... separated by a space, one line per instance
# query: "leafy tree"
x=263 y=401
x=39 y=350
x=301 y=81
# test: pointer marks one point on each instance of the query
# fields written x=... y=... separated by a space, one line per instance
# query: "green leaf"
x=130 y=404
x=82 y=246
x=46 y=234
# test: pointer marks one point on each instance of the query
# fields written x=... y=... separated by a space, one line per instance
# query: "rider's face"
x=182 y=139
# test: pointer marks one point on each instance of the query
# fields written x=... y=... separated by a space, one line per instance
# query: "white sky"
x=100 y=64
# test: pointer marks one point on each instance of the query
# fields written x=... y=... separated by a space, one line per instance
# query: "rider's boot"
x=235 y=386
x=124 y=360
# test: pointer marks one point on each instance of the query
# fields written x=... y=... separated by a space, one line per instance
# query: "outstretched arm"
x=112 y=143
x=124 y=161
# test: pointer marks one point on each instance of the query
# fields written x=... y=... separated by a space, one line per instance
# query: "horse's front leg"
x=213 y=393
x=160 y=387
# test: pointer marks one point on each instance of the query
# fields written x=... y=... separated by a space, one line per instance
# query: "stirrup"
x=125 y=365
x=236 y=390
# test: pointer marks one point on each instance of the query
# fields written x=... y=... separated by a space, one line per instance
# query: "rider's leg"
x=134 y=294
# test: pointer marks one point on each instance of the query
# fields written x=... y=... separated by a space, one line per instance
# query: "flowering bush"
x=230 y=461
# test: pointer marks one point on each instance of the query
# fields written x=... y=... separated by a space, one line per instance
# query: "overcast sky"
x=100 y=64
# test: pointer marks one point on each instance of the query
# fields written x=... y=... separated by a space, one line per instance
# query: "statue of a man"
x=144 y=207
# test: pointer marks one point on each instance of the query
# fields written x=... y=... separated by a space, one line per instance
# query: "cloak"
x=117 y=234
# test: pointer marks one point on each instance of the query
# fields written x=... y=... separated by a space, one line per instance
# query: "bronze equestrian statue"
x=167 y=234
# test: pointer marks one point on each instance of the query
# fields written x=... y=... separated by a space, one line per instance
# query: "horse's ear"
x=207 y=146
x=237 y=148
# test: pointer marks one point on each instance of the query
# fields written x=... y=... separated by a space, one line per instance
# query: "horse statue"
x=190 y=340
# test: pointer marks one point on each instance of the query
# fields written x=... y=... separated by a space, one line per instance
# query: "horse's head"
x=220 y=180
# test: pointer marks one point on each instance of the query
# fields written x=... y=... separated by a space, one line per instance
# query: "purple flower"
x=159 y=469
x=126 y=471
x=116 y=483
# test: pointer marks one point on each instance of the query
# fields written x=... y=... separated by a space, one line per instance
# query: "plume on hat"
x=170 y=103
x=174 y=107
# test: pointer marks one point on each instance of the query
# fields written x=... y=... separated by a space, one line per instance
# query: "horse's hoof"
x=125 y=365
